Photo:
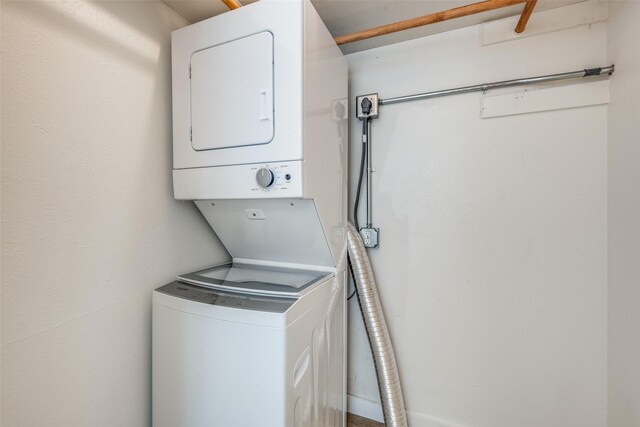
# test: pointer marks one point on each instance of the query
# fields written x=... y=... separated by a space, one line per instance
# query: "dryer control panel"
x=276 y=177
x=254 y=181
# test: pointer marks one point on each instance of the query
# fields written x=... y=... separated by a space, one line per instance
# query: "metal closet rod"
x=590 y=72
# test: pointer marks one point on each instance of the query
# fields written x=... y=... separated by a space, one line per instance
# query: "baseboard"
x=416 y=419
x=373 y=410
x=365 y=408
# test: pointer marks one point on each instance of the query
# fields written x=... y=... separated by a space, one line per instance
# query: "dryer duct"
x=381 y=348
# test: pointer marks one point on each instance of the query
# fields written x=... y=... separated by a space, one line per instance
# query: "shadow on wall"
x=112 y=27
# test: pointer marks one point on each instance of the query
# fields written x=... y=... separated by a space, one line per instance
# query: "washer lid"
x=256 y=280
x=206 y=295
x=286 y=231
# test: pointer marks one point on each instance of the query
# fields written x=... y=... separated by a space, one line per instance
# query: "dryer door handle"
x=266 y=105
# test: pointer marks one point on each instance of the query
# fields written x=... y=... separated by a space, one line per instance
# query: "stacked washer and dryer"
x=259 y=143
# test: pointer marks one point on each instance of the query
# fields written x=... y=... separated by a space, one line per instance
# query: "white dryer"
x=260 y=87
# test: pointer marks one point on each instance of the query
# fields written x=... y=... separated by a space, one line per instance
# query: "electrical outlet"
x=369 y=237
x=373 y=97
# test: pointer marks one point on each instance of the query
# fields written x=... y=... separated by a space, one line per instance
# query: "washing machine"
x=257 y=341
x=247 y=345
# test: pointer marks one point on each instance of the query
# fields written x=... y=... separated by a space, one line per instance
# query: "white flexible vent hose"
x=381 y=348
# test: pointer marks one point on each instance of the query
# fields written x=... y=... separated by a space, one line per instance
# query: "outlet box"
x=369 y=237
x=373 y=97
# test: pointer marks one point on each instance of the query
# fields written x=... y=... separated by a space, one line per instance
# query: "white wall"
x=624 y=215
x=89 y=225
x=492 y=264
x=0 y=219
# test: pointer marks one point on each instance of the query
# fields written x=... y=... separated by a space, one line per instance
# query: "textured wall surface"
x=492 y=264
x=89 y=224
x=624 y=215
x=493 y=259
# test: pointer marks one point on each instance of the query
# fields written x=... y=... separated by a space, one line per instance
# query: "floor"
x=358 y=421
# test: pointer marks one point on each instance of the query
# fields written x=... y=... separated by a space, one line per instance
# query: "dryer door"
x=232 y=93
x=237 y=83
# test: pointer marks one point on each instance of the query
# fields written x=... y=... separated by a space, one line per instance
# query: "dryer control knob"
x=265 y=177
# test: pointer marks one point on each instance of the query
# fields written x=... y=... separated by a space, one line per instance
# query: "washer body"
x=239 y=359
